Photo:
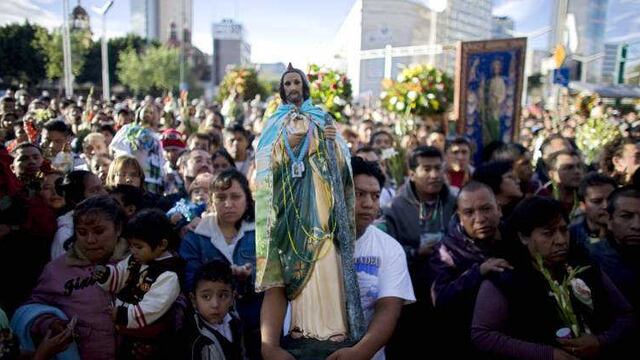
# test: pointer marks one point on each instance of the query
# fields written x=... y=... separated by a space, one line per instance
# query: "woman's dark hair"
x=100 y=205
x=72 y=187
x=225 y=154
x=306 y=93
x=535 y=212
x=224 y=180
x=214 y=271
x=509 y=152
x=151 y=226
x=381 y=133
x=491 y=174
x=490 y=149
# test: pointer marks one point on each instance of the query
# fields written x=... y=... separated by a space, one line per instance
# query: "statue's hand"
x=242 y=272
x=330 y=132
x=295 y=139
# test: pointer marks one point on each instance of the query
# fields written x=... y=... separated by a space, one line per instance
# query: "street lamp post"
x=105 y=58
x=66 y=51
x=436 y=6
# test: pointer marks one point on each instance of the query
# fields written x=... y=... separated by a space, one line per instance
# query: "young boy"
x=146 y=283
x=216 y=333
x=186 y=211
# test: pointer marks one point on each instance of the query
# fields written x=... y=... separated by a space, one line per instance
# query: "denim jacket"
x=205 y=243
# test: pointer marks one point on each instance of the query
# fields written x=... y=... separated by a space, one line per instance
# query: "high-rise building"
x=501 y=27
x=155 y=19
x=373 y=24
x=229 y=48
x=590 y=25
x=611 y=63
x=144 y=18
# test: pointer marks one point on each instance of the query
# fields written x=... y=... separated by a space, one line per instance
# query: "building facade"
x=374 y=24
x=501 y=27
x=229 y=48
x=155 y=19
x=590 y=25
x=611 y=63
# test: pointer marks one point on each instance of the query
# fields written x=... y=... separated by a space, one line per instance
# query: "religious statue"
x=298 y=256
x=493 y=96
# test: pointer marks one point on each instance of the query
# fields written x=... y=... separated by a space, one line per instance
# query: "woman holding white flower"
x=553 y=305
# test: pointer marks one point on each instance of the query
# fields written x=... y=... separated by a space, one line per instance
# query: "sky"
x=297 y=30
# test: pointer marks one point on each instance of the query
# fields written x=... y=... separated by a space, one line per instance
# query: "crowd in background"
x=127 y=230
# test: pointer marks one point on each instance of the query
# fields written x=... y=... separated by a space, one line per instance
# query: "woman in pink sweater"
x=67 y=283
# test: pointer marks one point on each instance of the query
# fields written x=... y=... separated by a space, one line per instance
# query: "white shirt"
x=381 y=266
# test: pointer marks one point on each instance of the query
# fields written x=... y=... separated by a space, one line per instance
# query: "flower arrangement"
x=271 y=107
x=330 y=89
x=420 y=90
x=593 y=135
x=562 y=291
x=585 y=102
x=242 y=81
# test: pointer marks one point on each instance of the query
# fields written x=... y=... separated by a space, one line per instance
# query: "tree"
x=158 y=67
x=51 y=46
x=92 y=70
x=20 y=60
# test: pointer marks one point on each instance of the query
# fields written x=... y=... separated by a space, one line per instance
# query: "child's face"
x=212 y=300
x=199 y=195
x=142 y=252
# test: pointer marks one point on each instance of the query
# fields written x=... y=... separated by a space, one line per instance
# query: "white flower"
x=400 y=106
x=383 y=95
x=388 y=153
x=412 y=95
x=582 y=292
x=393 y=100
x=430 y=96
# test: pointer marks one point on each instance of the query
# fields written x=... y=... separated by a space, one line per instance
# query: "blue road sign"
x=561 y=76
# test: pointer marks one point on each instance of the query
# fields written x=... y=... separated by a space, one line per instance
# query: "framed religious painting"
x=488 y=90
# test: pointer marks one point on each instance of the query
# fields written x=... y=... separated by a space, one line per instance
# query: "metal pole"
x=66 y=51
x=105 y=60
x=432 y=36
x=182 y=85
x=387 y=62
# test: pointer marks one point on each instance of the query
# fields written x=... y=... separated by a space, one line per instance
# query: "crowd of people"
x=130 y=226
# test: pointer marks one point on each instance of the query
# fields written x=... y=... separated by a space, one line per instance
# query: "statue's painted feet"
x=338 y=338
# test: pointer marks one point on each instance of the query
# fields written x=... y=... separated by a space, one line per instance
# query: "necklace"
x=297 y=164
x=433 y=214
x=310 y=235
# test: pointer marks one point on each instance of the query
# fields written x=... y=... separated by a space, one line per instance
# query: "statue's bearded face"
x=293 y=87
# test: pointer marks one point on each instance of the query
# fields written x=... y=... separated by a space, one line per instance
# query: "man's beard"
x=293 y=97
